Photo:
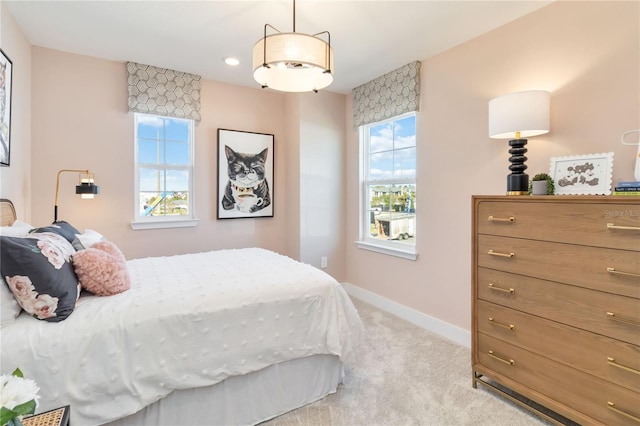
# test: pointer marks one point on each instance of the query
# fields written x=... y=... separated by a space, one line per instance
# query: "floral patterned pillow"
x=38 y=271
x=9 y=308
x=61 y=228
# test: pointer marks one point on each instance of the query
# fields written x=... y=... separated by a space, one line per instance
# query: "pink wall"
x=315 y=177
x=15 y=180
x=587 y=54
x=321 y=179
x=80 y=120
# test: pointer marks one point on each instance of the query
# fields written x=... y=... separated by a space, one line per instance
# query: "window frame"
x=153 y=222
x=365 y=241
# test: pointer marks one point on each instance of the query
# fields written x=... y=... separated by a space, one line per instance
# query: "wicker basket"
x=56 y=417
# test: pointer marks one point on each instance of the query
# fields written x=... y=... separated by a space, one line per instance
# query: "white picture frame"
x=589 y=174
x=239 y=198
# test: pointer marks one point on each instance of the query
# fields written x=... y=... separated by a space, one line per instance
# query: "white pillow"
x=9 y=308
x=18 y=229
x=85 y=240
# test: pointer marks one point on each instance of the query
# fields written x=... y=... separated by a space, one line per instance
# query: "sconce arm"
x=55 y=205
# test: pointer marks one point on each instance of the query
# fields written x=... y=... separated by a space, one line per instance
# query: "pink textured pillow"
x=102 y=269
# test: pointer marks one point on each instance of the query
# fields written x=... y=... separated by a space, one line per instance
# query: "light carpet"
x=405 y=375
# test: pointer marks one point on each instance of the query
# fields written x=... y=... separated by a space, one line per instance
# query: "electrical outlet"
x=323 y=262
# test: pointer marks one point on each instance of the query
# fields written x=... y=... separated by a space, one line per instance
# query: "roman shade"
x=154 y=90
x=390 y=95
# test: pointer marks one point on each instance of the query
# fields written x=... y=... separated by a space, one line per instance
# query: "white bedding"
x=187 y=321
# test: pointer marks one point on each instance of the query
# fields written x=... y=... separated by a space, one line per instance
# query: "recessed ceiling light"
x=231 y=61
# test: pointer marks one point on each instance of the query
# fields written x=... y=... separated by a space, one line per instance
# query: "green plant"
x=544 y=176
x=18 y=397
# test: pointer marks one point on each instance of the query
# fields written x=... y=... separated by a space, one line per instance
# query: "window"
x=388 y=213
x=164 y=172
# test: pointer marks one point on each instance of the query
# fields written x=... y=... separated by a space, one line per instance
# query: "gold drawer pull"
x=506 y=361
x=625 y=320
x=499 y=324
x=613 y=407
x=496 y=253
x=505 y=290
x=628 y=228
x=613 y=271
x=492 y=218
x=612 y=361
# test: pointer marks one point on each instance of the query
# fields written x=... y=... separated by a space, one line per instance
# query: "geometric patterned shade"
x=390 y=95
x=160 y=91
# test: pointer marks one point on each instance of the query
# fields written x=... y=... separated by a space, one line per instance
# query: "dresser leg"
x=475 y=380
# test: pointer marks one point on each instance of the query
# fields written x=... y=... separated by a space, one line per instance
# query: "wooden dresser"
x=556 y=303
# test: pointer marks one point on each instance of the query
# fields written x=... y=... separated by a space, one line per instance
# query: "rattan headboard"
x=7 y=212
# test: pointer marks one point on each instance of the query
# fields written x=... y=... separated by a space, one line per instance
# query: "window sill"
x=391 y=251
x=164 y=224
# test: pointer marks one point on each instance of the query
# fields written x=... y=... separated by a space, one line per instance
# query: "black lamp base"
x=518 y=184
x=518 y=180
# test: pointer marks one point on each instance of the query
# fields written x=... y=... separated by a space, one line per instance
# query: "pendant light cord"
x=294 y=16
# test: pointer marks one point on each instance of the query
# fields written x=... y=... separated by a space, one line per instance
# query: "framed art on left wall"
x=245 y=174
x=6 y=72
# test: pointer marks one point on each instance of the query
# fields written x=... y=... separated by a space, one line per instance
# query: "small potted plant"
x=541 y=184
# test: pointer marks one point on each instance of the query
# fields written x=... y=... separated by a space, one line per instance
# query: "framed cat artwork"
x=245 y=174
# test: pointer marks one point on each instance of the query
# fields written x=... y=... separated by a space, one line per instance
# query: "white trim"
x=405 y=254
x=429 y=323
x=163 y=224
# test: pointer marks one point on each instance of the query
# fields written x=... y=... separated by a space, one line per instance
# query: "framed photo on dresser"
x=582 y=174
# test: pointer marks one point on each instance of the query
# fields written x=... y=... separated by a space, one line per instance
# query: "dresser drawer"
x=613 y=271
x=580 y=391
x=579 y=307
x=613 y=225
x=609 y=359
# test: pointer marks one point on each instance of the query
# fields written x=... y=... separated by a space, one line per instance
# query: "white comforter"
x=187 y=321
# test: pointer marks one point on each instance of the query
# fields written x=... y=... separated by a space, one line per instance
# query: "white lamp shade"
x=297 y=62
x=524 y=112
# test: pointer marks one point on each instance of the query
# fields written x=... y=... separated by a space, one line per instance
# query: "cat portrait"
x=247 y=189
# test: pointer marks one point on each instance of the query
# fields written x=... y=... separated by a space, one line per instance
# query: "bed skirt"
x=248 y=399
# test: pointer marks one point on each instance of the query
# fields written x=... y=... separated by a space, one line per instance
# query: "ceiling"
x=369 y=38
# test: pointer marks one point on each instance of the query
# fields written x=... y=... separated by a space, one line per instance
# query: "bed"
x=223 y=337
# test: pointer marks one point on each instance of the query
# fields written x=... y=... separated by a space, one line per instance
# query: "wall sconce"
x=86 y=187
x=516 y=116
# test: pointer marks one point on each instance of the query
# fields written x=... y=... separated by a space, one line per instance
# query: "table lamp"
x=517 y=116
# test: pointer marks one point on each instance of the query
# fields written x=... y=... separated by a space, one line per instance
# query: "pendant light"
x=293 y=62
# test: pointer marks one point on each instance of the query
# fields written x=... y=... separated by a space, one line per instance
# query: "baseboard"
x=444 y=329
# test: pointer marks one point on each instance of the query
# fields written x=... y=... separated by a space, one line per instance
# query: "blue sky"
x=174 y=131
x=400 y=135
x=163 y=140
